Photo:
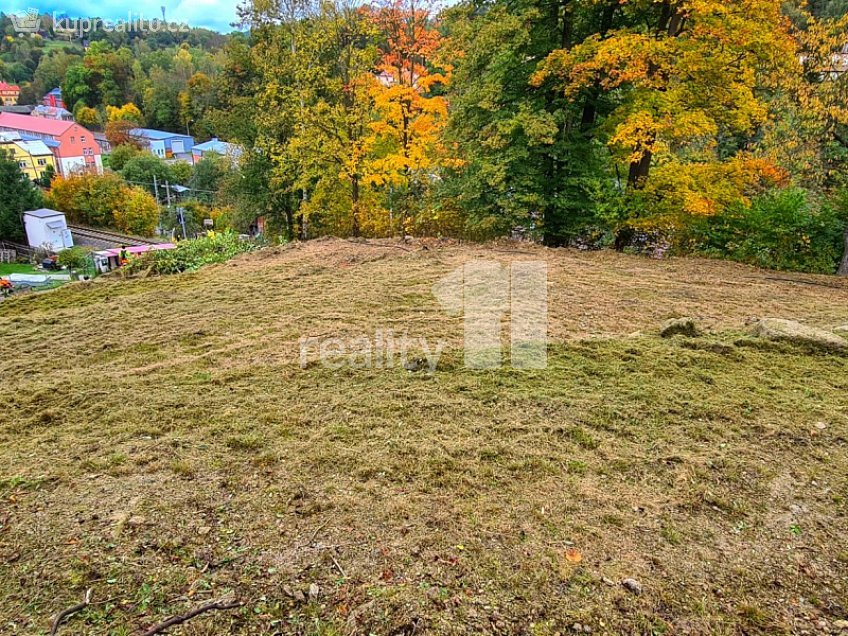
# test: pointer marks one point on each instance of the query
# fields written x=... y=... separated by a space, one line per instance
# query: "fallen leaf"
x=572 y=555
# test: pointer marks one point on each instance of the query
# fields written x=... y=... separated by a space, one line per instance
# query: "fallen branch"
x=182 y=618
x=71 y=610
x=338 y=567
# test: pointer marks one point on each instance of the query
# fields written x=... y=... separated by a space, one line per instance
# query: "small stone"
x=136 y=520
x=633 y=586
x=843 y=625
x=314 y=592
x=577 y=627
x=679 y=327
x=821 y=425
x=608 y=581
x=204 y=530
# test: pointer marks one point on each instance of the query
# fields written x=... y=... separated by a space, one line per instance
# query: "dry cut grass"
x=160 y=444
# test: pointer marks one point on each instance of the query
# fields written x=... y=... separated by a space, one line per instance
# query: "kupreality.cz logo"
x=28 y=21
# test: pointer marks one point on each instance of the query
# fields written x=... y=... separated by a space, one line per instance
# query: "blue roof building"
x=217 y=147
x=164 y=144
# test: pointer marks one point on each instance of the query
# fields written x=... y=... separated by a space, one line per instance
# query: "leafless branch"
x=71 y=610
x=182 y=618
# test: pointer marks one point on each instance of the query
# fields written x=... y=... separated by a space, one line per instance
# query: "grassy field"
x=17 y=268
x=161 y=445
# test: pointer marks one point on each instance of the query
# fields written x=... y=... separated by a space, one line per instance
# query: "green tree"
x=17 y=195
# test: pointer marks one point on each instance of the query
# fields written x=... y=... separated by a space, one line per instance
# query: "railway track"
x=105 y=236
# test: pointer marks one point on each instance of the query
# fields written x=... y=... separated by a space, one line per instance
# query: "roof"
x=51 y=111
x=9 y=137
x=220 y=147
x=50 y=143
x=35 y=148
x=136 y=249
x=8 y=87
x=43 y=213
x=40 y=125
x=56 y=91
x=150 y=133
x=21 y=110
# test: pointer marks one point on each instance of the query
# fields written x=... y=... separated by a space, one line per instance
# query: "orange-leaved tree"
x=411 y=112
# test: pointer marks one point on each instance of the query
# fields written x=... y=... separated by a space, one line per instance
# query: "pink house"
x=73 y=146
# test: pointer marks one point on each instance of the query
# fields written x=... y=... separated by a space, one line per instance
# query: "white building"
x=47 y=229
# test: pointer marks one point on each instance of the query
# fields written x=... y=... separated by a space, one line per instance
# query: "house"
x=103 y=142
x=9 y=94
x=107 y=260
x=48 y=229
x=216 y=147
x=50 y=112
x=54 y=99
x=33 y=156
x=75 y=149
x=163 y=144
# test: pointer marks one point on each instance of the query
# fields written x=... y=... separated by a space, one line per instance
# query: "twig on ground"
x=182 y=618
x=71 y=610
x=338 y=567
x=315 y=535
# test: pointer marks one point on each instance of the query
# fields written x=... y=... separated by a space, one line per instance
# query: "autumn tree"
x=411 y=113
x=693 y=89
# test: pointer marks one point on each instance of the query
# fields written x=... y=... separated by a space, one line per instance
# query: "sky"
x=210 y=14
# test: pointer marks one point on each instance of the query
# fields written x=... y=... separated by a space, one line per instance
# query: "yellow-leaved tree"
x=694 y=91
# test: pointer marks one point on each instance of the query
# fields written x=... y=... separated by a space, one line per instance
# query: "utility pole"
x=181 y=219
x=156 y=189
x=168 y=193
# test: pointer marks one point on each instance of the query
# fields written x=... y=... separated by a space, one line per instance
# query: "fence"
x=17 y=251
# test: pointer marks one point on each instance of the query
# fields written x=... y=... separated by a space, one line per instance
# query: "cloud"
x=210 y=14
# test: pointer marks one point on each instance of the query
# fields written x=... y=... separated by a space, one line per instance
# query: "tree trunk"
x=843 y=268
x=355 y=212
x=590 y=106
x=639 y=171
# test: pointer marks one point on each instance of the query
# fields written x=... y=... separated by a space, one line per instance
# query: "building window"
x=42 y=162
x=82 y=139
x=73 y=140
x=22 y=164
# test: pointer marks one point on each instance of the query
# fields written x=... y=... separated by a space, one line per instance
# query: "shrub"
x=191 y=255
x=76 y=259
x=781 y=229
x=137 y=213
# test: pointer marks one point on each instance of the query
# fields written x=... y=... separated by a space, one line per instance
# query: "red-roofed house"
x=9 y=94
x=73 y=146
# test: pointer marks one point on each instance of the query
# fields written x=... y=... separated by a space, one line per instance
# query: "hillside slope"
x=161 y=444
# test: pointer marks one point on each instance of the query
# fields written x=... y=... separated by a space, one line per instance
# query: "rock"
x=136 y=520
x=797 y=333
x=418 y=364
x=679 y=327
x=843 y=625
x=842 y=329
x=314 y=592
x=608 y=581
x=577 y=627
x=633 y=586
x=204 y=530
